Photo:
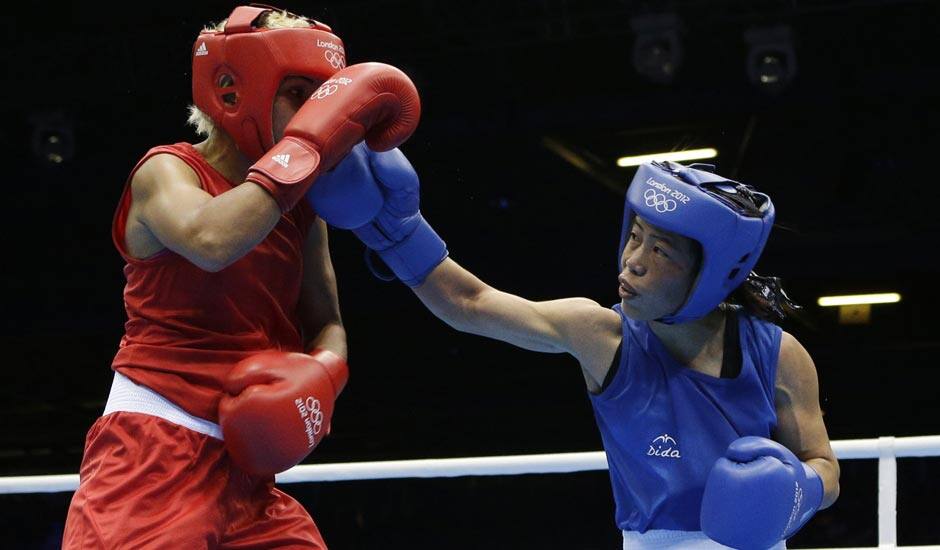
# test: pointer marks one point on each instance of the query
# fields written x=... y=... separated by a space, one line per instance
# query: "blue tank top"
x=663 y=424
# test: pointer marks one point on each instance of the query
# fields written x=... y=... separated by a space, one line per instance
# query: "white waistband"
x=667 y=539
x=127 y=396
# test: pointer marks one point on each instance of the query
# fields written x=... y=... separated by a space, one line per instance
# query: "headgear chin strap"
x=731 y=222
x=237 y=72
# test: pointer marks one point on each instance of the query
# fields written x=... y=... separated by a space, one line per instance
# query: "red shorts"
x=149 y=483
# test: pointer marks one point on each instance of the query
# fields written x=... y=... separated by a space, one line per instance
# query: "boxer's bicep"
x=166 y=197
x=518 y=321
x=211 y=232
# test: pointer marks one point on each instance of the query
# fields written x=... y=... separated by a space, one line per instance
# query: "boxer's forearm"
x=449 y=292
x=211 y=232
x=320 y=317
x=229 y=226
x=332 y=337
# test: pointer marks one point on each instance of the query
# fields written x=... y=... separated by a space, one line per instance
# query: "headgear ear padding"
x=698 y=204
x=237 y=72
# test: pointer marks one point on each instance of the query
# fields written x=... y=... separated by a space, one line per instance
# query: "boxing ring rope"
x=886 y=449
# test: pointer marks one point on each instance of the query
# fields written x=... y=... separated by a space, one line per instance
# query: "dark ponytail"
x=764 y=298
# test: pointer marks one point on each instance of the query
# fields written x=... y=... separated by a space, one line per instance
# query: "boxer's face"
x=657 y=270
x=293 y=92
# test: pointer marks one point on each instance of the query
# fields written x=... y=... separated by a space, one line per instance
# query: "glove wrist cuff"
x=336 y=367
x=286 y=171
x=815 y=489
x=416 y=255
x=812 y=495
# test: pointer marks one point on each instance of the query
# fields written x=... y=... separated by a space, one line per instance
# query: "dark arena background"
x=829 y=106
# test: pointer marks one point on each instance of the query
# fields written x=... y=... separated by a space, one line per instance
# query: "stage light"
x=657 y=50
x=675 y=156
x=771 y=58
x=53 y=138
x=858 y=299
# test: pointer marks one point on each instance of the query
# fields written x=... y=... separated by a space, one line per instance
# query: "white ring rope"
x=477 y=466
x=885 y=449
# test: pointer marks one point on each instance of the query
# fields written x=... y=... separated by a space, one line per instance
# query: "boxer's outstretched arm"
x=578 y=326
x=414 y=252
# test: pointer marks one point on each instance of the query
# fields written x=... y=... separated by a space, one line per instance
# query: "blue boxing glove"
x=758 y=494
x=347 y=197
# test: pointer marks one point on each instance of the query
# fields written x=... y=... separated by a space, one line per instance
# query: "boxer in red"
x=234 y=350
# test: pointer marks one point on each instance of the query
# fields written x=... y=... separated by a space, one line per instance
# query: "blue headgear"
x=696 y=203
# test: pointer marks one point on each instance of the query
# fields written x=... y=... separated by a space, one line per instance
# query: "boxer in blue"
x=709 y=413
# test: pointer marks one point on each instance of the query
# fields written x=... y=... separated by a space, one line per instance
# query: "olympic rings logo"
x=335 y=59
x=659 y=201
x=316 y=414
x=324 y=91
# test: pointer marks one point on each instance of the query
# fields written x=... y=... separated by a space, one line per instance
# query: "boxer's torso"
x=187 y=327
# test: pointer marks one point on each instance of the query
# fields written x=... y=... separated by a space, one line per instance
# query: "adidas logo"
x=202 y=50
x=283 y=160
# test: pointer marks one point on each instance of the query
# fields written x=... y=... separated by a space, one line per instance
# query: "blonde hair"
x=200 y=121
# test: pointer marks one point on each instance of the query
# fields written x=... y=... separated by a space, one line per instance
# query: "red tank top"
x=186 y=328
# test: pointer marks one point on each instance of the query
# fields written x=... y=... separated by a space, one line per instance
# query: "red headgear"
x=236 y=72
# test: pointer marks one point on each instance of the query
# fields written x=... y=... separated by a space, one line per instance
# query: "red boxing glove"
x=277 y=407
x=370 y=101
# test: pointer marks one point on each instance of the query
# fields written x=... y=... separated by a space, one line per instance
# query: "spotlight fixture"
x=771 y=59
x=53 y=138
x=657 y=50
